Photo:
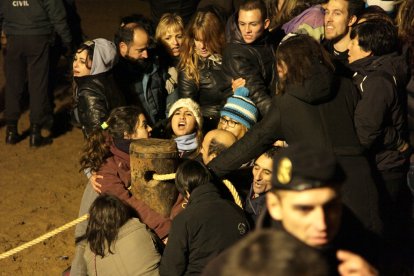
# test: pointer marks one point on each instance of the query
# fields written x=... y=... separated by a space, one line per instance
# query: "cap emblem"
x=284 y=171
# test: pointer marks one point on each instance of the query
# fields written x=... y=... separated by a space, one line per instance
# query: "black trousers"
x=27 y=59
x=360 y=192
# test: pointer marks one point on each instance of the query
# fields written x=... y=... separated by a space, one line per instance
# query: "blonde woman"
x=169 y=35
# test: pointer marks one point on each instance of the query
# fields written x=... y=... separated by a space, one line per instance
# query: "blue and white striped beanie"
x=240 y=108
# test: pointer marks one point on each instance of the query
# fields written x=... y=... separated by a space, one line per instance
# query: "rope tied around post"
x=159 y=177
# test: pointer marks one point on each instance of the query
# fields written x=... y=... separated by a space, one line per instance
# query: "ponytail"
x=97 y=148
x=95 y=151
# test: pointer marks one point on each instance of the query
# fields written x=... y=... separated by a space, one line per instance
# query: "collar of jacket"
x=363 y=65
x=371 y=63
x=117 y=152
x=233 y=34
x=81 y=80
x=134 y=71
x=202 y=193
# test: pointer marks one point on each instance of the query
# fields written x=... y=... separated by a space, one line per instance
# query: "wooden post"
x=149 y=156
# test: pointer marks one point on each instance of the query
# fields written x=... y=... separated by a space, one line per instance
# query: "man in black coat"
x=207 y=226
x=137 y=73
x=29 y=26
x=380 y=120
x=249 y=54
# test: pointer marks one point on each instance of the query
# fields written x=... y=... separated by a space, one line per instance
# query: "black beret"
x=300 y=168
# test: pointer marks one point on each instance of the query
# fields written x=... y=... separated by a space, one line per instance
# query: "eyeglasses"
x=230 y=123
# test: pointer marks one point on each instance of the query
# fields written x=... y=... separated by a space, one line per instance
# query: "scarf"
x=186 y=142
x=122 y=144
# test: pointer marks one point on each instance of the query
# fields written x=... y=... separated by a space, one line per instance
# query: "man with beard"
x=340 y=15
x=137 y=72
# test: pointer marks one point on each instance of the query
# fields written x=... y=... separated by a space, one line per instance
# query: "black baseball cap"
x=299 y=168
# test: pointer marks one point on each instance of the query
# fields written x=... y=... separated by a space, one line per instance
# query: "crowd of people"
x=305 y=106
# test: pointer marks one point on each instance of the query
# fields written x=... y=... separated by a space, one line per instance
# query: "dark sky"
x=100 y=18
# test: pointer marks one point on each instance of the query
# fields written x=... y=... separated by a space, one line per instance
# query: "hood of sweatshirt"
x=104 y=56
x=314 y=89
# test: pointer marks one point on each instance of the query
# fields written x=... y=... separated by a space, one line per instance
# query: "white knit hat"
x=191 y=105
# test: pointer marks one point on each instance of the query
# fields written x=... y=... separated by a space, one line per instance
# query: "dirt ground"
x=41 y=188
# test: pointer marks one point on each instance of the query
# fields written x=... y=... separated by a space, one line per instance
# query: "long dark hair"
x=191 y=174
x=405 y=23
x=106 y=216
x=299 y=54
x=96 y=150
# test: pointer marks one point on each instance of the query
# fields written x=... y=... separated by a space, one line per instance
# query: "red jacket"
x=116 y=179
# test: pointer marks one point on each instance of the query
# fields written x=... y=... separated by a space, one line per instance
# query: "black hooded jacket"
x=318 y=113
x=380 y=118
x=207 y=226
x=254 y=62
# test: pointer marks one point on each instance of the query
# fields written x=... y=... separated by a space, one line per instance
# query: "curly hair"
x=96 y=150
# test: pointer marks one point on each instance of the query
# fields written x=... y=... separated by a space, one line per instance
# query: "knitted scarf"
x=186 y=142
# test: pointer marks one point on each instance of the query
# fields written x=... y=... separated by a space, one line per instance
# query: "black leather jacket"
x=212 y=91
x=94 y=96
x=254 y=62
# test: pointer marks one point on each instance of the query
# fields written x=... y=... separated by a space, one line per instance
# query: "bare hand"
x=404 y=147
x=95 y=185
x=280 y=143
x=240 y=82
x=354 y=265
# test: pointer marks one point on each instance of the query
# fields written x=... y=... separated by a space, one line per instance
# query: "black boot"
x=36 y=138
x=12 y=136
